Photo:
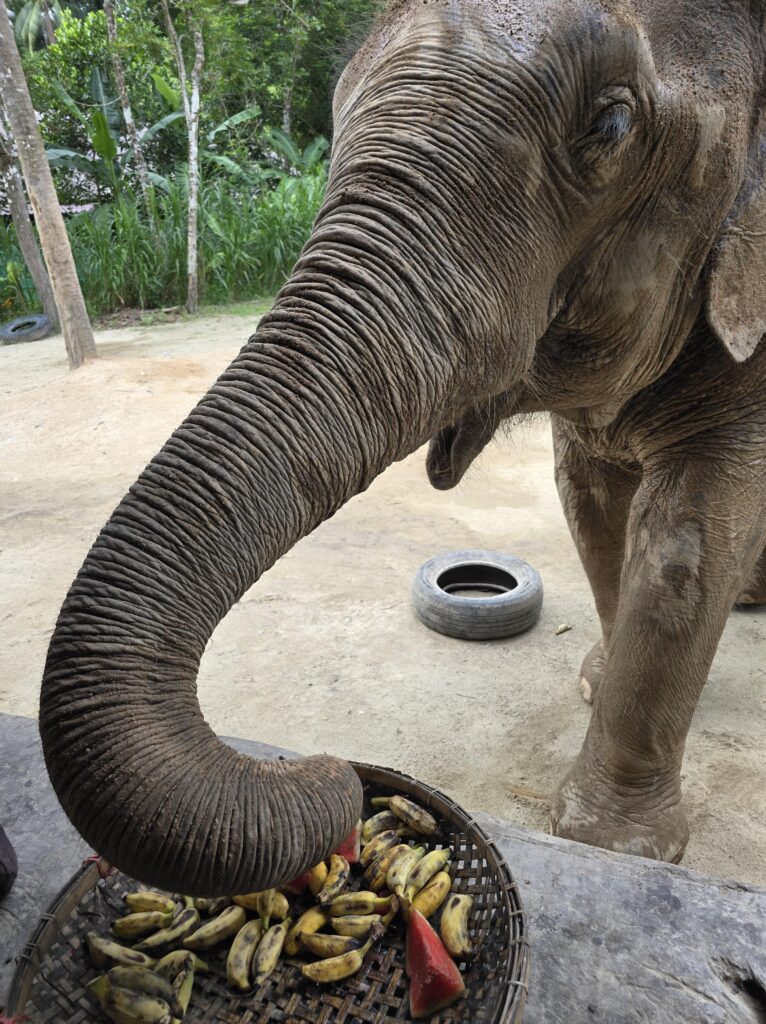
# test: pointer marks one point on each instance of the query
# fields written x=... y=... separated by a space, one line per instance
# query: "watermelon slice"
x=298 y=885
x=435 y=981
x=351 y=846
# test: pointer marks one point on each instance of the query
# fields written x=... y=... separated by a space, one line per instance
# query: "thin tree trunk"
x=49 y=33
x=78 y=333
x=191 y=106
x=127 y=112
x=17 y=200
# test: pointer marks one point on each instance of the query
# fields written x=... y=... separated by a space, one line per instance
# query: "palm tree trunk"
x=17 y=200
x=127 y=112
x=75 y=324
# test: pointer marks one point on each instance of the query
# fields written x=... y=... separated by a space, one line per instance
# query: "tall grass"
x=249 y=239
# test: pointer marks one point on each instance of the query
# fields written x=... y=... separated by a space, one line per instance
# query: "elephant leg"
x=596 y=497
x=754 y=591
x=695 y=528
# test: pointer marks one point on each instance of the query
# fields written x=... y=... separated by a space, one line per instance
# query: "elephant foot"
x=643 y=821
x=751 y=596
x=592 y=671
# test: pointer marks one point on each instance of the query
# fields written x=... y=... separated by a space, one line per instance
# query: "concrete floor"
x=324 y=652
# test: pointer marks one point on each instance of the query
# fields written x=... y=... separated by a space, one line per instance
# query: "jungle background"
x=265 y=91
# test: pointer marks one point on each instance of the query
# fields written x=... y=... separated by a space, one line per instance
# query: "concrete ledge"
x=614 y=940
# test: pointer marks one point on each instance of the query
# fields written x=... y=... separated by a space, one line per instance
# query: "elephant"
x=532 y=205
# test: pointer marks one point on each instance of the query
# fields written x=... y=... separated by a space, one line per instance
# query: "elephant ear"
x=736 y=292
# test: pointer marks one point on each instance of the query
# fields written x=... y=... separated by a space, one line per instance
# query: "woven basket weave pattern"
x=495 y=979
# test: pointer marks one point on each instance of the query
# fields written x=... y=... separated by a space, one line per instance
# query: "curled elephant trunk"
x=328 y=392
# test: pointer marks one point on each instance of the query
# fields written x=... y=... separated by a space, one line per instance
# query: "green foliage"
x=250 y=237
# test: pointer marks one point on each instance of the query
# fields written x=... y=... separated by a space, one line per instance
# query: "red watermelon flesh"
x=298 y=885
x=435 y=981
x=351 y=846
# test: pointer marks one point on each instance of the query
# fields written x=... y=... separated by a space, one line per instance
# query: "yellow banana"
x=375 y=873
x=240 y=958
x=380 y=822
x=336 y=881
x=135 y=925
x=402 y=866
x=424 y=871
x=454 y=926
x=212 y=933
x=337 y=967
x=127 y=1007
x=182 y=925
x=279 y=908
x=416 y=817
x=379 y=844
x=99 y=987
x=307 y=924
x=138 y=901
x=265 y=906
x=325 y=946
x=353 y=903
x=172 y=964
x=432 y=895
x=139 y=979
x=105 y=953
x=183 y=984
x=211 y=907
x=380 y=801
x=317 y=877
x=358 y=925
x=268 y=951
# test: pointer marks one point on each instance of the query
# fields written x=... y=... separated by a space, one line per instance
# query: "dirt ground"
x=324 y=653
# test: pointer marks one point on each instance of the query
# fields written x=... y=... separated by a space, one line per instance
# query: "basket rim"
x=509 y=1009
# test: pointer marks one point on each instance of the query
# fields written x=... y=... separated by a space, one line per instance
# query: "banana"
x=98 y=988
x=424 y=871
x=379 y=844
x=325 y=946
x=265 y=906
x=317 y=877
x=139 y=979
x=138 y=901
x=135 y=925
x=240 y=958
x=212 y=933
x=354 y=903
x=172 y=964
x=268 y=951
x=416 y=817
x=182 y=925
x=431 y=896
x=336 y=881
x=379 y=822
x=279 y=909
x=105 y=953
x=380 y=801
x=183 y=983
x=402 y=866
x=307 y=924
x=358 y=925
x=211 y=907
x=127 y=1007
x=337 y=967
x=454 y=926
x=375 y=874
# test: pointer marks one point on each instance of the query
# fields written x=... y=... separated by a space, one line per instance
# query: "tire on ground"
x=506 y=613
x=25 y=328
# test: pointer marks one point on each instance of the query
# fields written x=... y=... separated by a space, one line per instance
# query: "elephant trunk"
x=330 y=390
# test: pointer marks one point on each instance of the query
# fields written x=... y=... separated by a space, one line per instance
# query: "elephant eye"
x=610 y=127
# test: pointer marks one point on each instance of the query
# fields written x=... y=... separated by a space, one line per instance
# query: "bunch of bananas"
x=149 y=975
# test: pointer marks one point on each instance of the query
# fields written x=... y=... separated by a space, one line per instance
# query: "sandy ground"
x=324 y=653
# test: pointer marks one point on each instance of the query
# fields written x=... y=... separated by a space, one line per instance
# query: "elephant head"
x=523 y=199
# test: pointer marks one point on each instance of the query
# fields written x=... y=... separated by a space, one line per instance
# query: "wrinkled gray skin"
x=533 y=204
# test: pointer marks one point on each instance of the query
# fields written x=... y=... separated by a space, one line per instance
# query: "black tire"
x=514 y=608
x=25 y=328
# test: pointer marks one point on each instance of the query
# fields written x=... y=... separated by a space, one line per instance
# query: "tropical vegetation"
x=264 y=76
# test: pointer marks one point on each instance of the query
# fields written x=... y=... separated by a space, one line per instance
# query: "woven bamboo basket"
x=53 y=969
